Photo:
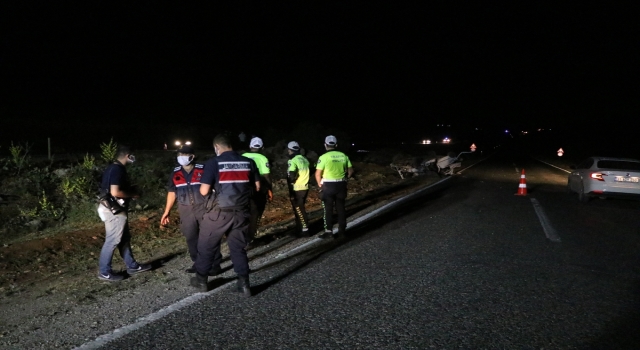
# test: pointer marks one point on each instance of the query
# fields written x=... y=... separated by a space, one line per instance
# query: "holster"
x=110 y=202
x=210 y=201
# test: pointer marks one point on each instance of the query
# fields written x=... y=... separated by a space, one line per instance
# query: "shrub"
x=108 y=151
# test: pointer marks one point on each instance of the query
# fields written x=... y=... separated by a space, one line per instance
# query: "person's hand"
x=270 y=196
x=164 y=221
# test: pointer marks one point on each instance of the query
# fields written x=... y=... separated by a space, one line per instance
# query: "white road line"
x=559 y=168
x=549 y=231
x=472 y=165
x=143 y=321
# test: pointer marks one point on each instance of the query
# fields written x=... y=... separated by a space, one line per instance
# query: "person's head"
x=222 y=143
x=256 y=144
x=186 y=154
x=123 y=154
x=330 y=142
x=293 y=148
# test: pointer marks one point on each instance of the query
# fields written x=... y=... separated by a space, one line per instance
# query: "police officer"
x=184 y=186
x=260 y=197
x=332 y=171
x=232 y=178
x=115 y=187
x=298 y=181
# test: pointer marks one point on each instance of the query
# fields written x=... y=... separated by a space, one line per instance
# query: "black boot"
x=200 y=282
x=215 y=270
x=243 y=286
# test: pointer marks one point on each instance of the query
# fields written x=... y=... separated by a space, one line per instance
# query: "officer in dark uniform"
x=184 y=187
x=232 y=178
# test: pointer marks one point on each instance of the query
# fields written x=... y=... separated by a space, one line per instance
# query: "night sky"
x=149 y=72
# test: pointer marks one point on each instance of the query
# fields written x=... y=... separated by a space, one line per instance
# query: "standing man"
x=332 y=171
x=117 y=192
x=298 y=181
x=184 y=187
x=227 y=182
x=265 y=193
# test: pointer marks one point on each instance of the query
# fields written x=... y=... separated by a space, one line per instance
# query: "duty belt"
x=334 y=180
x=231 y=210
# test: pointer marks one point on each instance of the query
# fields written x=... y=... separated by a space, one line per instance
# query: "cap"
x=186 y=149
x=256 y=142
x=331 y=140
x=294 y=146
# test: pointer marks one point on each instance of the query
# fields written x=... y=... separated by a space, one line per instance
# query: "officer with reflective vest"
x=227 y=184
x=260 y=197
x=298 y=181
x=184 y=187
x=332 y=171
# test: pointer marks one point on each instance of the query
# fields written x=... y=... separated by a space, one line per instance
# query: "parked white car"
x=605 y=177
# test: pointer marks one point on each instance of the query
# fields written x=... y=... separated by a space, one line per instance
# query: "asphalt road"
x=467 y=267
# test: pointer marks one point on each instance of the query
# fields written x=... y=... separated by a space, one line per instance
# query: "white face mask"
x=185 y=160
x=131 y=158
x=216 y=150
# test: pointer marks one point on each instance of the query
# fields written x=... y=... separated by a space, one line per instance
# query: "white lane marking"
x=472 y=165
x=143 y=321
x=559 y=168
x=549 y=231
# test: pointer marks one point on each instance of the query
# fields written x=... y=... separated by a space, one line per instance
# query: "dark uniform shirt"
x=233 y=178
x=187 y=185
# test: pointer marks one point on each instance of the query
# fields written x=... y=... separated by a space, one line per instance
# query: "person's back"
x=234 y=186
x=332 y=171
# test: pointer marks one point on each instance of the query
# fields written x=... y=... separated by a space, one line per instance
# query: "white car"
x=605 y=177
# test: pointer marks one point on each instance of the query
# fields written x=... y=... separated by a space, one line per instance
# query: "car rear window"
x=619 y=164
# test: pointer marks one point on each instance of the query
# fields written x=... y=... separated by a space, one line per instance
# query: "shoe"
x=305 y=232
x=327 y=234
x=141 y=268
x=200 y=282
x=111 y=277
x=244 y=287
x=192 y=269
x=215 y=270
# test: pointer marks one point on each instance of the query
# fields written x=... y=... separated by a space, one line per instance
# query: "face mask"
x=216 y=150
x=185 y=160
x=131 y=158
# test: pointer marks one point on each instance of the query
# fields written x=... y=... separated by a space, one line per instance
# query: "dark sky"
x=152 y=71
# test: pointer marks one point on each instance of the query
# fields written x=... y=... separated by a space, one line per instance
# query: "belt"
x=335 y=180
x=231 y=210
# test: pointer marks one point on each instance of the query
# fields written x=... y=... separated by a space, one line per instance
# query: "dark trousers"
x=334 y=193
x=218 y=223
x=256 y=207
x=190 y=221
x=298 y=198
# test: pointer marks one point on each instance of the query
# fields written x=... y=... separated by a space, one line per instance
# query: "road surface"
x=471 y=266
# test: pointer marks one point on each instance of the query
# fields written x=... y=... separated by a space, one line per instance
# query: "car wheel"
x=583 y=197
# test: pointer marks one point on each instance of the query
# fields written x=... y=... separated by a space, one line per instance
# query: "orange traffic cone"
x=522 y=188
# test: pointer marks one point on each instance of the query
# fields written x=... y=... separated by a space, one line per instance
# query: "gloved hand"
x=269 y=196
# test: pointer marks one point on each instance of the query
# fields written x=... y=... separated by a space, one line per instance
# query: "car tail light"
x=598 y=176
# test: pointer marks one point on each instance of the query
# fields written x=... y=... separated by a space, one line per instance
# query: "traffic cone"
x=522 y=188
